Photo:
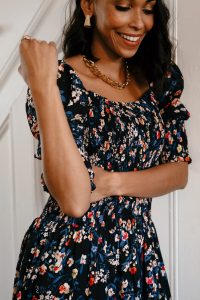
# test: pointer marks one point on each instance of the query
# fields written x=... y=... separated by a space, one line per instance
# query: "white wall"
x=20 y=192
x=176 y=215
x=189 y=203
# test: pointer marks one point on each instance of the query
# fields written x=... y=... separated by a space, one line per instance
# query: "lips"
x=130 y=37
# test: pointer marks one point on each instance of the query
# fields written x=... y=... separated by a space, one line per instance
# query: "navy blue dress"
x=111 y=252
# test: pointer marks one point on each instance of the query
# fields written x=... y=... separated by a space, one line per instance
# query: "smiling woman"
x=118 y=17
x=103 y=158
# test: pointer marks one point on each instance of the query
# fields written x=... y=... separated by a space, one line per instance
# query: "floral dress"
x=112 y=252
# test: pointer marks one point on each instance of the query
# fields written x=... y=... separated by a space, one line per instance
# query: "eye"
x=148 y=11
x=122 y=8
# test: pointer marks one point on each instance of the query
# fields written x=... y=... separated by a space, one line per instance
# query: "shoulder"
x=75 y=61
x=70 y=86
x=173 y=79
x=173 y=85
x=64 y=81
x=67 y=79
x=69 y=68
x=171 y=107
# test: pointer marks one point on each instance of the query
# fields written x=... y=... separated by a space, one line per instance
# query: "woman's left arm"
x=152 y=182
x=171 y=174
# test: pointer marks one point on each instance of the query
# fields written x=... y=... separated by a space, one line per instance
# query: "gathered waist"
x=115 y=209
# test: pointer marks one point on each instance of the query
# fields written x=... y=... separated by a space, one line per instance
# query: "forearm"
x=152 y=182
x=65 y=173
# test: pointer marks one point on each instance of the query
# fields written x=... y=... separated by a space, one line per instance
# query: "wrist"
x=114 y=183
x=43 y=93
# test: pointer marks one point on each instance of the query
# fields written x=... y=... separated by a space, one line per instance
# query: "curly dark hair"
x=153 y=57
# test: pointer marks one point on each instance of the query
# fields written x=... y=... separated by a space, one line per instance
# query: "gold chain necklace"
x=94 y=69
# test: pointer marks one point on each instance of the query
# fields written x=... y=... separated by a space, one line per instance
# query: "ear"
x=87 y=7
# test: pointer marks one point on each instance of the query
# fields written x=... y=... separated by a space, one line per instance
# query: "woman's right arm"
x=65 y=173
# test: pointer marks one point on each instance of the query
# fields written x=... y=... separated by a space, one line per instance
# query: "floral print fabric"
x=112 y=252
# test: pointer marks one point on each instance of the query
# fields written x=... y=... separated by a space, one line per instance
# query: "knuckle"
x=34 y=42
x=52 y=44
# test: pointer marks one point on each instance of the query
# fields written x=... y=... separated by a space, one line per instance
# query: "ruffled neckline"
x=142 y=98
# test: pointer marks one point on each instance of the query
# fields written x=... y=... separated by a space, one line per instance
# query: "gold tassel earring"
x=87 y=23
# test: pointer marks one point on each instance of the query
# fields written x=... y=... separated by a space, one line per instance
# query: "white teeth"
x=129 y=38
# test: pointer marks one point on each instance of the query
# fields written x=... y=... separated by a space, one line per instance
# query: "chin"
x=128 y=54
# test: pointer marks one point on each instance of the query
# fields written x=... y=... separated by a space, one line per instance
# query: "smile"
x=130 y=38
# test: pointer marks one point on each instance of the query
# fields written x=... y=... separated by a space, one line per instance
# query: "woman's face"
x=121 y=25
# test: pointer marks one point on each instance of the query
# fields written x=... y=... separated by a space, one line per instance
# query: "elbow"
x=183 y=184
x=183 y=178
x=75 y=204
x=72 y=209
x=77 y=213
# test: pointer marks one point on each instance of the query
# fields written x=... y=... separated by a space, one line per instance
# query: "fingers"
x=35 y=56
x=52 y=44
x=27 y=39
x=28 y=43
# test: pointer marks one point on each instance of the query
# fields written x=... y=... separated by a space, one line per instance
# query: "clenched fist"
x=39 y=63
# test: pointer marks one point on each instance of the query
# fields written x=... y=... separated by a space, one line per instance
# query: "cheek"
x=111 y=22
x=149 y=23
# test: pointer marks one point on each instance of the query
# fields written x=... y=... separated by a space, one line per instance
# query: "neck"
x=94 y=69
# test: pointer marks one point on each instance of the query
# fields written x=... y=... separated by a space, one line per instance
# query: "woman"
x=111 y=135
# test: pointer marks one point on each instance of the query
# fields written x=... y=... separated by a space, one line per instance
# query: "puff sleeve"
x=76 y=111
x=33 y=124
x=174 y=115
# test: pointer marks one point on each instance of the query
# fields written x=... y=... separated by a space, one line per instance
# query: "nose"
x=136 y=20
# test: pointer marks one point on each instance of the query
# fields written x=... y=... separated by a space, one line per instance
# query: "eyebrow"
x=148 y=1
